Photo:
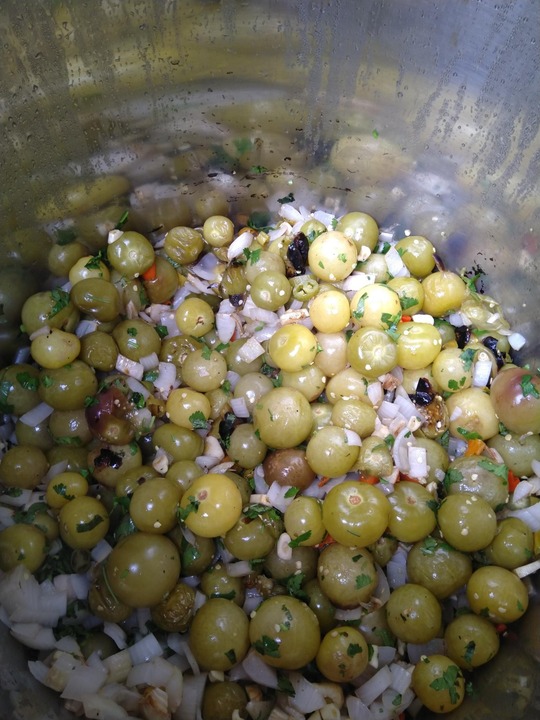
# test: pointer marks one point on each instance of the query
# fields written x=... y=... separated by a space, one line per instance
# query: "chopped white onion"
x=98 y=707
x=239 y=407
x=457 y=319
x=138 y=387
x=401 y=676
x=149 y=361
x=324 y=218
x=375 y=393
x=290 y=213
x=84 y=680
x=192 y=696
x=259 y=671
x=353 y=438
x=357 y=709
x=277 y=496
x=529 y=515
x=417 y=457
x=528 y=569
x=433 y=647
x=232 y=377
x=394 y=263
x=116 y=633
x=481 y=371
x=43 y=330
x=375 y=686
x=37 y=414
x=308 y=697
x=250 y=350
x=225 y=326
x=166 y=379
x=145 y=649
x=208 y=266
x=85 y=327
x=34 y=636
x=358 y=280
x=240 y=568
x=129 y=367
x=239 y=244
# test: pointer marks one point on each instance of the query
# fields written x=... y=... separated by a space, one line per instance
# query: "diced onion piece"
x=417 y=457
x=401 y=676
x=481 y=370
x=114 y=235
x=353 y=438
x=137 y=386
x=239 y=244
x=37 y=414
x=192 y=696
x=259 y=671
x=85 y=327
x=529 y=515
x=100 y=551
x=34 y=636
x=528 y=569
x=207 y=267
x=239 y=407
x=241 y=568
x=149 y=361
x=375 y=393
x=129 y=367
x=308 y=696
x=423 y=318
x=375 y=686
x=43 y=330
x=250 y=350
x=357 y=709
x=166 y=380
x=290 y=213
x=84 y=680
x=277 y=496
x=394 y=263
x=324 y=218
x=98 y=707
x=516 y=340
x=433 y=647
x=116 y=633
x=118 y=665
x=358 y=280
x=145 y=649
x=225 y=326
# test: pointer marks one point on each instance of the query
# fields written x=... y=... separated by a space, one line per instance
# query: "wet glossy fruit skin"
x=211 y=506
x=439 y=683
x=285 y=632
x=355 y=514
x=343 y=654
x=143 y=568
x=219 y=634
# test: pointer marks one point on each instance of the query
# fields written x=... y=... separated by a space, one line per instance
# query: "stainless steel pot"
x=423 y=113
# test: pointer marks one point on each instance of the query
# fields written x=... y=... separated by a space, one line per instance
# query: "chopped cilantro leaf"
x=192 y=506
x=294 y=586
x=206 y=352
x=284 y=685
x=300 y=539
x=363 y=580
x=231 y=656
x=468 y=434
x=358 y=313
x=467 y=357
x=292 y=492
x=122 y=221
x=162 y=331
x=91 y=524
x=197 y=420
x=449 y=681
x=286 y=199
x=27 y=381
x=267 y=646
x=61 y=300
x=528 y=387
x=407 y=302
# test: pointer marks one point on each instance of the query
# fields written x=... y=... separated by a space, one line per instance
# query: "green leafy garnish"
x=138 y=400
x=162 y=331
x=90 y=400
x=254 y=511
x=284 y=685
x=11 y=491
x=258 y=169
x=122 y=221
x=292 y=492
x=267 y=646
x=96 y=260
x=342 y=257
x=29 y=516
x=242 y=145
x=452 y=476
x=385 y=636
x=396 y=702
x=151 y=375
x=469 y=434
x=122 y=501
x=91 y=524
x=358 y=313
x=221 y=347
x=375 y=134
x=432 y=505
x=528 y=388
x=363 y=580
x=61 y=300
x=498 y=469
x=197 y=420
x=231 y=656
x=334 y=223
x=252 y=255
x=407 y=302
x=286 y=199
x=469 y=652
x=73 y=440
x=391 y=322
x=467 y=357
x=300 y=539
x=65 y=236
x=5 y=389
x=353 y=649
x=192 y=506
x=389 y=441
x=27 y=381
x=206 y=352
x=294 y=586
x=449 y=681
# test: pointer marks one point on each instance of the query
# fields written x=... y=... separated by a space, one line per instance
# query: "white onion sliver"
x=433 y=647
x=481 y=373
x=353 y=438
x=84 y=680
x=357 y=709
x=417 y=457
x=238 y=245
x=116 y=633
x=149 y=361
x=137 y=386
x=239 y=407
x=307 y=697
x=145 y=649
x=290 y=213
x=241 y=568
x=97 y=706
x=225 y=326
x=375 y=686
x=37 y=414
x=394 y=262
x=259 y=671
x=529 y=515
x=516 y=340
x=250 y=350
x=129 y=367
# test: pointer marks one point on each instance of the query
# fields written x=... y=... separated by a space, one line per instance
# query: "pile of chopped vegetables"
x=272 y=469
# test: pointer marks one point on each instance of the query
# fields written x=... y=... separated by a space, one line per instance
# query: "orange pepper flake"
x=325 y=542
x=513 y=481
x=406 y=318
x=322 y=482
x=151 y=273
x=475 y=447
x=369 y=479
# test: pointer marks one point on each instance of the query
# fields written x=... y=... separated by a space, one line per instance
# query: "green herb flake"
x=342 y=257
x=363 y=581
x=432 y=505
x=252 y=256
x=226 y=386
x=321 y=264
x=267 y=646
x=467 y=357
x=286 y=199
x=300 y=539
x=385 y=636
x=407 y=302
x=65 y=236
x=294 y=586
x=206 y=352
x=391 y=322
x=197 y=420
x=91 y=524
x=162 y=331
x=449 y=681
x=231 y=656
x=61 y=300
x=353 y=649
x=520 y=606
x=398 y=699
x=254 y=511
x=284 y=685
x=375 y=134
x=132 y=331
x=452 y=476
x=468 y=434
x=389 y=441
x=47 y=381
x=122 y=221
x=498 y=469
x=70 y=440
x=292 y=492
x=242 y=145
x=138 y=400
x=124 y=574
x=358 y=313
x=27 y=381
x=469 y=652
x=151 y=375
x=334 y=223
x=429 y=546
x=90 y=400
x=453 y=385
x=222 y=346
x=192 y=506
x=258 y=169
x=528 y=388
